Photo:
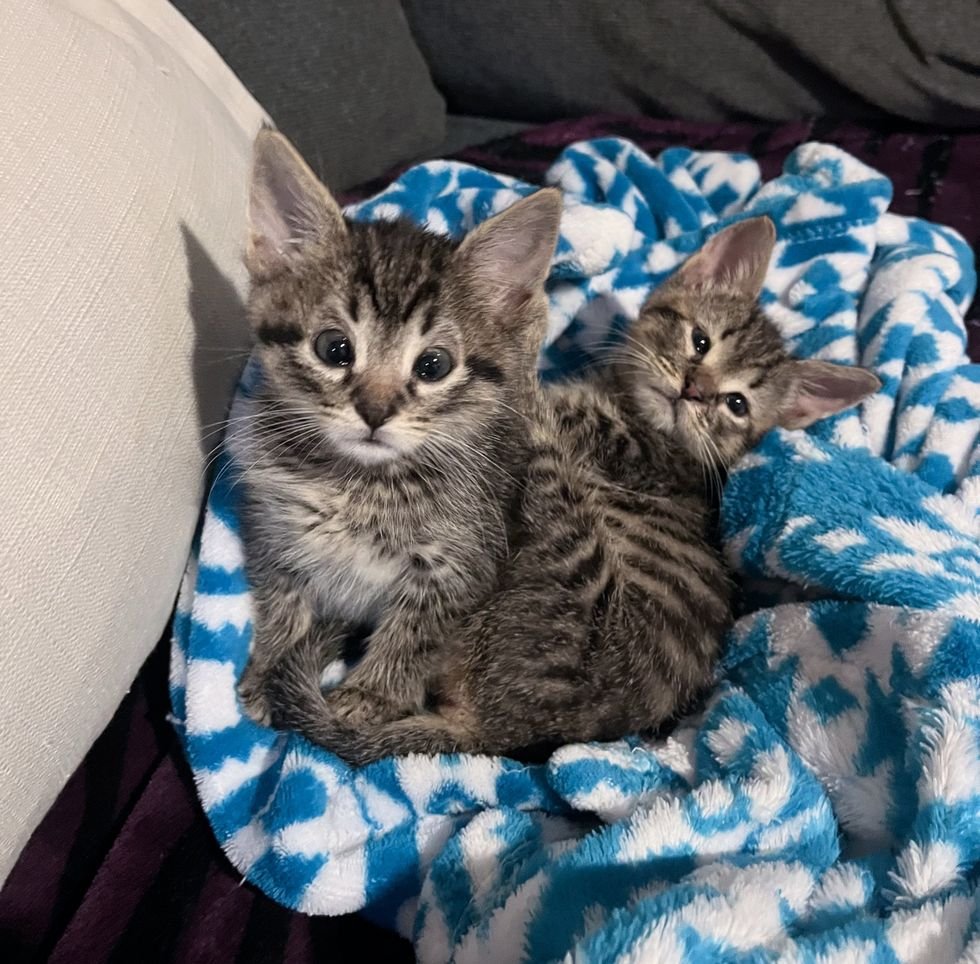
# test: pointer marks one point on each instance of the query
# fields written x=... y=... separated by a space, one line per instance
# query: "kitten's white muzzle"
x=361 y=445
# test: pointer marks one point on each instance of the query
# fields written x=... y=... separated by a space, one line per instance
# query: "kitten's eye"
x=333 y=347
x=737 y=404
x=433 y=365
x=700 y=341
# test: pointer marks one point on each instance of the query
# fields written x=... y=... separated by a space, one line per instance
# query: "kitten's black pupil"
x=334 y=348
x=433 y=364
x=701 y=341
x=737 y=404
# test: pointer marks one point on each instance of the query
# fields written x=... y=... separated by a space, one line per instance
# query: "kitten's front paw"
x=356 y=708
x=254 y=694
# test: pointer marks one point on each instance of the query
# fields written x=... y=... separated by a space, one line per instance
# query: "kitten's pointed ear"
x=737 y=256
x=508 y=256
x=821 y=389
x=287 y=206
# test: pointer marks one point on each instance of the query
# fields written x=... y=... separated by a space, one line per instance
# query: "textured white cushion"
x=123 y=159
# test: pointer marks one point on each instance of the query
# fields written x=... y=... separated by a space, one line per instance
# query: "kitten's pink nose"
x=374 y=411
x=691 y=390
x=699 y=386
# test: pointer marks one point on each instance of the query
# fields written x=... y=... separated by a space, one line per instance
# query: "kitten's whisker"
x=263 y=412
x=470 y=449
x=711 y=457
x=280 y=449
x=643 y=357
x=262 y=441
x=643 y=354
x=260 y=419
x=209 y=362
x=510 y=408
x=257 y=431
x=247 y=351
x=718 y=464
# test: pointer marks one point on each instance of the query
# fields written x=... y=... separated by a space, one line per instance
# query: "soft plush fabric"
x=123 y=160
x=343 y=80
x=828 y=796
x=705 y=59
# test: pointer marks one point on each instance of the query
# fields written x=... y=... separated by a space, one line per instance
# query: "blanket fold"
x=825 y=805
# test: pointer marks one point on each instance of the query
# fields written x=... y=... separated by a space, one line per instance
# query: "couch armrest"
x=122 y=185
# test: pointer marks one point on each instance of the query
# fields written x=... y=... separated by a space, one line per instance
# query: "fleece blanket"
x=825 y=805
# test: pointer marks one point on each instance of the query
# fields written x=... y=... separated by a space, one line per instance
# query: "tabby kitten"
x=613 y=606
x=379 y=452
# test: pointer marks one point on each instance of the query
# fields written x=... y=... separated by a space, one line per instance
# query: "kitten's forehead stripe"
x=279 y=333
x=428 y=320
x=400 y=269
x=364 y=281
x=423 y=297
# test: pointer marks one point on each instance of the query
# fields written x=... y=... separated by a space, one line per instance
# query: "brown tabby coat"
x=379 y=456
x=610 y=612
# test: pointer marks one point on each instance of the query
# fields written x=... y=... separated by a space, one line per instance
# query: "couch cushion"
x=124 y=162
x=344 y=81
x=705 y=59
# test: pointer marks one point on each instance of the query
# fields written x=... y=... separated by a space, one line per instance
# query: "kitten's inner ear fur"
x=822 y=389
x=508 y=256
x=287 y=207
x=736 y=257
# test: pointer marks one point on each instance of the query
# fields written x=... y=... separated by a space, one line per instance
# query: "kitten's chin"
x=363 y=449
x=370 y=452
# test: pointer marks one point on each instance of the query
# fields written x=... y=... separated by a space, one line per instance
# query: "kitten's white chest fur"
x=319 y=531
x=357 y=545
x=350 y=574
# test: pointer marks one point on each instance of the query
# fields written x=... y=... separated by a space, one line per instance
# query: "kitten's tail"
x=296 y=698
x=298 y=704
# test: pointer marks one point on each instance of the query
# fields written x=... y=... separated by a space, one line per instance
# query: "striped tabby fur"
x=609 y=615
x=378 y=457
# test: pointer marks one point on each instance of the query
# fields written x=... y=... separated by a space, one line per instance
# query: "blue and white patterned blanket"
x=826 y=804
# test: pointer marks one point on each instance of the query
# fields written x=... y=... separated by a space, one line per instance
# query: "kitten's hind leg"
x=298 y=703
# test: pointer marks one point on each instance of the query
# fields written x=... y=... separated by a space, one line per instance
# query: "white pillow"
x=123 y=162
